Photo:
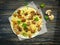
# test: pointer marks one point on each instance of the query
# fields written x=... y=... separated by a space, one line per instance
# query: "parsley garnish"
x=42 y=5
x=36 y=19
x=24 y=25
x=24 y=34
x=18 y=21
x=46 y=17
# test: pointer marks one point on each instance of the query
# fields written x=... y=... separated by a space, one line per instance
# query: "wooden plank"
x=6 y=33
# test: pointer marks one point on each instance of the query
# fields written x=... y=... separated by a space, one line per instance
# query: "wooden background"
x=7 y=7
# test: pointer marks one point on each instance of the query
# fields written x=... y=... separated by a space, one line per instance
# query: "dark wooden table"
x=7 y=7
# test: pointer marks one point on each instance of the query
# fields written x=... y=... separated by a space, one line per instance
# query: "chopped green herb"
x=18 y=22
x=23 y=11
x=24 y=25
x=36 y=19
x=42 y=5
x=46 y=17
x=24 y=34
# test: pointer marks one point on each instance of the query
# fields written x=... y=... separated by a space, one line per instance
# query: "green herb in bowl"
x=24 y=25
x=18 y=21
x=24 y=34
x=36 y=19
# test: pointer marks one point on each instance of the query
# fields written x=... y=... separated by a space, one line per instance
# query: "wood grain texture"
x=7 y=7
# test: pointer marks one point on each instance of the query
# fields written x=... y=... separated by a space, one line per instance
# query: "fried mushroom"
x=23 y=19
x=30 y=17
x=14 y=22
x=16 y=27
x=37 y=13
x=19 y=11
x=25 y=13
x=40 y=16
x=32 y=13
x=14 y=15
x=33 y=22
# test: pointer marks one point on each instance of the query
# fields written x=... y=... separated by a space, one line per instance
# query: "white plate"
x=43 y=28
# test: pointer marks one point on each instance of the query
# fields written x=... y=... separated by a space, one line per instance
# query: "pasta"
x=26 y=21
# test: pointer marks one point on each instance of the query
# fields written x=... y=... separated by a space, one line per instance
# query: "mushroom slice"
x=16 y=29
x=37 y=13
x=19 y=28
x=32 y=13
x=14 y=22
x=15 y=14
x=30 y=17
x=51 y=17
x=23 y=19
x=19 y=11
x=49 y=12
x=39 y=28
x=25 y=13
x=33 y=22
x=40 y=16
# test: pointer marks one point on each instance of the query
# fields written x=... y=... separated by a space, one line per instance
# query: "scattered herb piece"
x=18 y=22
x=24 y=25
x=23 y=11
x=42 y=5
x=24 y=34
x=36 y=19
x=46 y=17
